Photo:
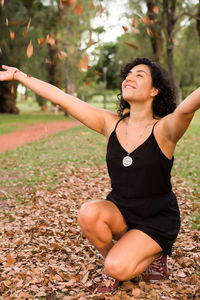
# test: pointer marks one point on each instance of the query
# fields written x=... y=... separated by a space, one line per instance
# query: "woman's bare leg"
x=101 y=221
x=131 y=255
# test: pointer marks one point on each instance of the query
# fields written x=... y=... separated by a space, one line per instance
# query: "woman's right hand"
x=8 y=74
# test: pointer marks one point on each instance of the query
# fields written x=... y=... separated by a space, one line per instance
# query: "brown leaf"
x=29 y=50
x=101 y=10
x=93 y=6
x=83 y=64
x=125 y=28
x=28 y=25
x=55 y=246
x=87 y=82
x=136 y=293
x=50 y=40
x=6 y=22
x=62 y=55
x=24 y=33
x=4 y=43
x=68 y=2
x=2 y=3
x=41 y=41
x=135 y=47
x=10 y=259
x=0 y=50
x=150 y=32
x=156 y=9
x=98 y=73
x=145 y=20
x=78 y=9
x=12 y=35
x=57 y=278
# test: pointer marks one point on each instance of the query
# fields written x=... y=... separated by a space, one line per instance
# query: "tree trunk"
x=198 y=20
x=169 y=8
x=8 y=98
x=156 y=39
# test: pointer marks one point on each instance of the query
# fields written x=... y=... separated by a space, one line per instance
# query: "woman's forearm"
x=44 y=89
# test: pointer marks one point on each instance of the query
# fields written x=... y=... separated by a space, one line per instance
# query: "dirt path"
x=32 y=133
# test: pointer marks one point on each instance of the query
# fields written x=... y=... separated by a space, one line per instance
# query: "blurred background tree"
x=60 y=42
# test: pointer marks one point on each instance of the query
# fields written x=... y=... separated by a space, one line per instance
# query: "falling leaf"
x=83 y=64
x=68 y=2
x=12 y=35
x=133 y=22
x=175 y=42
x=135 y=47
x=4 y=43
x=150 y=32
x=24 y=33
x=41 y=41
x=101 y=10
x=62 y=55
x=78 y=10
x=50 y=40
x=146 y=20
x=0 y=50
x=125 y=28
x=87 y=82
x=156 y=9
x=28 y=25
x=93 y=6
x=98 y=73
x=2 y=2
x=29 y=50
x=6 y=22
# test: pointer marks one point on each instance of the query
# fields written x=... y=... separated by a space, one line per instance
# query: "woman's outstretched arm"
x=93 y=118
x=175 y=124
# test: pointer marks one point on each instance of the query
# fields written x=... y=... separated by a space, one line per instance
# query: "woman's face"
x=138 y=85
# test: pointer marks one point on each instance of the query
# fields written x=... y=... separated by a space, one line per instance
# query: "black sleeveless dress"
x=143 y=191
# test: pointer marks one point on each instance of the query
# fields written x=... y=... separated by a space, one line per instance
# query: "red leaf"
x=135 y=47
x=156 y=9
x=78 y=10
x=125 y=28
x=29 y=50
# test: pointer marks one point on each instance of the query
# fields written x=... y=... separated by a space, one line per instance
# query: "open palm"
x=8 y=73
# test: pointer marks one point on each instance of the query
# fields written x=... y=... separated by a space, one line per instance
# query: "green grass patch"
x=44 y=163
x=10 y=123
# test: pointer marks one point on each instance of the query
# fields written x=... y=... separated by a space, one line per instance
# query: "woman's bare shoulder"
x=111 y=118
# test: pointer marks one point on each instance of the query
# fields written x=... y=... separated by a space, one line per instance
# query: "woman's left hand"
x=8 y=74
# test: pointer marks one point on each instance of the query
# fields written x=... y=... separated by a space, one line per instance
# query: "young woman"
x=141 y=212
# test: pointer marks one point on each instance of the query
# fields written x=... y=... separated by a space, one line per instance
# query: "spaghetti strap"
x=118 y=122
x=154 y=126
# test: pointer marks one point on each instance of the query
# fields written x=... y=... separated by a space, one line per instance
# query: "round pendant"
x=127 y=161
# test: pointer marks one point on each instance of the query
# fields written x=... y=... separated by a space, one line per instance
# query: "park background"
x=80 y=46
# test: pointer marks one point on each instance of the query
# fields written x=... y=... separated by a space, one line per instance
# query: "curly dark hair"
x=164 y=102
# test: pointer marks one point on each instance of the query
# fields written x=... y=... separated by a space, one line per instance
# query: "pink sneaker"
x=108 y=285
x=158 y=269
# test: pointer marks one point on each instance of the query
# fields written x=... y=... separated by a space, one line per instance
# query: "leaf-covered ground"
x=43 y=255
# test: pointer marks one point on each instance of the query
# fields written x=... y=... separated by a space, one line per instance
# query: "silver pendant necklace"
x=127 y=160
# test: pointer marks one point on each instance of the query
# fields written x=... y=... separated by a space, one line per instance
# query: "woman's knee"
x=88 y=214
x=115 y=268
